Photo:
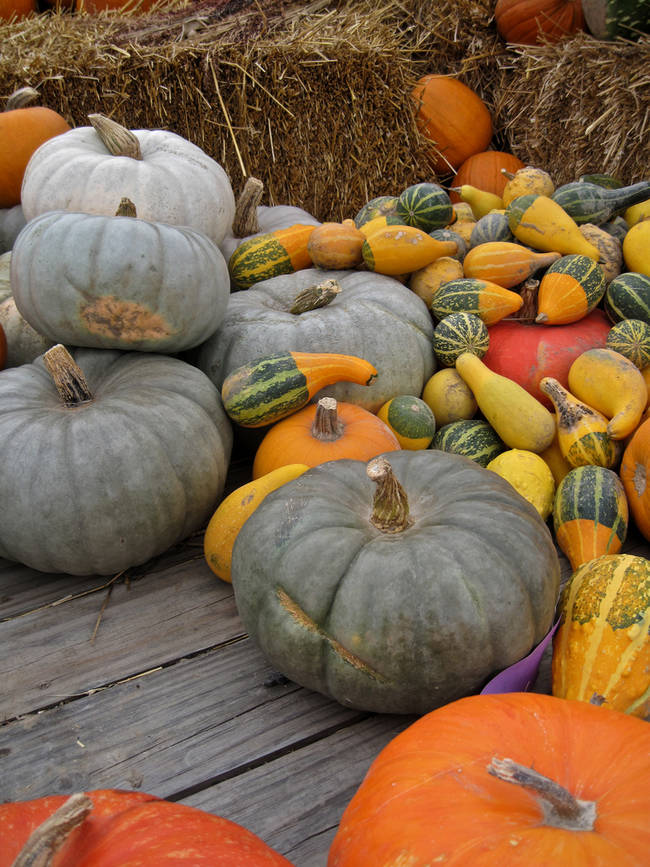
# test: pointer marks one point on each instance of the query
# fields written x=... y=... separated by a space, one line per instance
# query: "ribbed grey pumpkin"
x=397 y=594
x=23 y=343
x=11 y=222
x=118 y=282
x=105 y=470
x=369 y=315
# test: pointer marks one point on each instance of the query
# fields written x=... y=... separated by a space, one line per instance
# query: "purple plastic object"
x=519 y=676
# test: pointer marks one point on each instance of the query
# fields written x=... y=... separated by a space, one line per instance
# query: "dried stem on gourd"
x=21 y=97
x=117 y=139
x=318 y=295
x=327 y=426
x=528 y=310
x=560 y=808
x=126 y=208
x=46 y=840
x=67 y=376
x=245 y=221
x=390 y=507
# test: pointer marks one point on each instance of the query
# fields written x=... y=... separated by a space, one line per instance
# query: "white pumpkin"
x=11 y=222
x=91 y=168
x=24 y=344
x=118 y=282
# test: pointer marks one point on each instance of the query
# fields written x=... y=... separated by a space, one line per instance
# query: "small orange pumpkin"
x=326 y=431
x=453 y=118
x=528 y=22
x=635 y=475
x=14 y=9
x=25 y=128
x=483 y=171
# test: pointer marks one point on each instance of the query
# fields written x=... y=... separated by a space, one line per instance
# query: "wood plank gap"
x=267 y=759
x=127 y=679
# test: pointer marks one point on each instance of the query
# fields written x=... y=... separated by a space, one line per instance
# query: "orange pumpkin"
x=453 y=118
x=16 y=8
x=518 y=779
x=327 y=431
x=635 y=475
x=483 y=171
x=529 y=22
x=24 y=129
x=124 y=5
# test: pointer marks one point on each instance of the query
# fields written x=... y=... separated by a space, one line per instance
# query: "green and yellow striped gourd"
x=472 y=438
x=631 y=338
x=458 y=333
x=426 y=206
x=410 y=419
x=270 y=254
x=628 y=297
x=487 y=300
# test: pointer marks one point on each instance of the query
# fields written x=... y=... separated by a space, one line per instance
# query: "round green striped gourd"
x=491 y=227
x=607 y=19
x=450 y=235
x=458 y=333
x=628 y=297
x=590 y=513
x=473 y=438
x=381 y=206
x=410 y=419
x=425 y=206
x=631 y=337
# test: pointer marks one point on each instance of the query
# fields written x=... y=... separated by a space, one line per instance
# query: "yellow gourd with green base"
x=541 y=223
x=521 y=420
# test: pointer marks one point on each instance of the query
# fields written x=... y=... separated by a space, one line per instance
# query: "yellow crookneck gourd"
x=480 y=201
x=581 y=430
x=611 y=384
x=521 y=420
x=541 y=223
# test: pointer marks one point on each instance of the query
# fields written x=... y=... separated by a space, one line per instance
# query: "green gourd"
x=592 y=203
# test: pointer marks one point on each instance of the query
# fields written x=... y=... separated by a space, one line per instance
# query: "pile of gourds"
x=433 y=393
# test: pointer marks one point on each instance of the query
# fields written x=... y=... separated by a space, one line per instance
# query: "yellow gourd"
x=521 y=420
x=426 y=281
x=526 y=181
x=529 y=475
x=636 y=248
x=234 y=510
x=449 y=397
x=462 y=211
x=396 y=250
x=480 y=201
x=556 y=461
x=541 y=223
x=611 y=384
x=581 y=430
x=635 y=213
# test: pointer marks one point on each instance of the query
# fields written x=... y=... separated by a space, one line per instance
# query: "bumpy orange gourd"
x=22 y=130
x=326 y=431
x=635 y=475
x=453 y=118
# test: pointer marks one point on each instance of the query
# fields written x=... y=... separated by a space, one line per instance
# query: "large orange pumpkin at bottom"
x=115 y=828
x=520 y=779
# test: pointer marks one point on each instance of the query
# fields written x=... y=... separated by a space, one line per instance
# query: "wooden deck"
x=150 y=682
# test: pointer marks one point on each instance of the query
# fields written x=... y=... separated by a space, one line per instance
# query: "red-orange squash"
x=483 y=171
x=635 y=475
x=527 y=353
x=326 y=431
x=528 y=22
x=113 y=828
x=22 y=130
x=511 y=780
x=453 y=118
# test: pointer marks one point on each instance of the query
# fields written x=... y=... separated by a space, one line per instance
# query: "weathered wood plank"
x=150 y=622
x=295 y=802
x=171 y=731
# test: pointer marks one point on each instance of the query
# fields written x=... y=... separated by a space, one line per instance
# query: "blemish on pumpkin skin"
x=293 y=609
x=640 y=480
x=109 y=316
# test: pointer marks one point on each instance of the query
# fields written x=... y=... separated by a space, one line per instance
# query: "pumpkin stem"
x=46 y=840
x=67 y=376
x=318 y=295
x=126 y=208
x=21 y=97
x=390 y=507
x=560 y=808
x=528 y=310
x=117 y=139
x=245 y=221
x=327 y=426
x=508 y=174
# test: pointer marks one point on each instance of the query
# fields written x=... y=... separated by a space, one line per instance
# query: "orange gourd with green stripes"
x=274 y=386
x=505 y=263
x=601 y=650
x=570 y=289
x=270 y=254
x=487 y=300
x=590 y=514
